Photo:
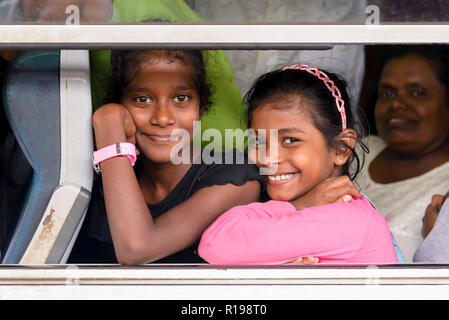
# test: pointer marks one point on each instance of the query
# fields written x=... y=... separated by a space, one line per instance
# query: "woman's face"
x=411 y=112
x=161 y=98
x=303 y=158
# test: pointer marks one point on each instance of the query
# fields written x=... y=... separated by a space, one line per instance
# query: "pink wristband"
x=112 y=151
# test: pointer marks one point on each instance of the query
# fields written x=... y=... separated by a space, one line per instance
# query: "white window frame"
x=215 y=36
x=411 y=281
x=205 y=282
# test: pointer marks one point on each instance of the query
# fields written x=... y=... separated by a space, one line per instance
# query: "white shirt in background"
x=403 y=203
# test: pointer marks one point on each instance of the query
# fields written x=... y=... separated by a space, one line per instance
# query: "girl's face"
x=411 y=111
x=304 y=159
x=161 y=97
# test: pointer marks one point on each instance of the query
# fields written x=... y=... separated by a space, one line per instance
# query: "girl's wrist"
x=108 y=132
x=108 y=128
x=107 y=138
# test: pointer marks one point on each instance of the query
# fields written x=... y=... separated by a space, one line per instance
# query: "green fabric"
x=227 y=110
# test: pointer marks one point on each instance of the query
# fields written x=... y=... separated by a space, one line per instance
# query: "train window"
x=55 y=54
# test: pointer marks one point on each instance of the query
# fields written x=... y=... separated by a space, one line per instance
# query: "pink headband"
x=329 y=84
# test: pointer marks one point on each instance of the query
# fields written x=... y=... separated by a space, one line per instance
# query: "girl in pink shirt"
x=311 y=143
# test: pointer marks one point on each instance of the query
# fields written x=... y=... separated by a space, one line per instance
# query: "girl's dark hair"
x=125 y=65
x=279 y=84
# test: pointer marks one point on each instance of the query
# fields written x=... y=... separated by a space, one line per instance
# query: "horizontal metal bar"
x=216 y=36
x=209 y=282
x=197 y=46
x=207 y=274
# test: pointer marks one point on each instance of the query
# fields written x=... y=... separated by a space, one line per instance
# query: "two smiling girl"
x=158 y=211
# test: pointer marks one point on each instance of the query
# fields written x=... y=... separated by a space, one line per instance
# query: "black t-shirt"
x=94 y=244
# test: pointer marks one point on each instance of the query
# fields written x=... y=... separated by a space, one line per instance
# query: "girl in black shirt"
x=158 y=211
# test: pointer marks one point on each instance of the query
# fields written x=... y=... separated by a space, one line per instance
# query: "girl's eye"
x=289 y=140
x=181 y=98
x=142 y=99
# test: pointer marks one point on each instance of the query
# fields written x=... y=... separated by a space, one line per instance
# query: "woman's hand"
x=335 y=189
x=113 y=123
x=432 y=211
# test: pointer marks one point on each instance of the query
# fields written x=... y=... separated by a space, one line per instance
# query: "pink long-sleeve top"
x=275 y=232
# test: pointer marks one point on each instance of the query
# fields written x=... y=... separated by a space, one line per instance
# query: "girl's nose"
x=162 y=115
x=268 y=160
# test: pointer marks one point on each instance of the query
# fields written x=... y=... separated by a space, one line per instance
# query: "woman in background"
x=409 y=159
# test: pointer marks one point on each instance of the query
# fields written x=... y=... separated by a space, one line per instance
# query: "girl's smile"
x=281 y=178
x=160 y=139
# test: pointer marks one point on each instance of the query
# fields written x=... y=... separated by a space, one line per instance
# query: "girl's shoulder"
x=358 y=214
x=355 y=208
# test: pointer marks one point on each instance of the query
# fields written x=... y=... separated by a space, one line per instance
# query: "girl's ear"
x=348 y=138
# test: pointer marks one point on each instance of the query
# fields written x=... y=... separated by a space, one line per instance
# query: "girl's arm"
x=275 y=232
x=334 y=189
x=136 y=236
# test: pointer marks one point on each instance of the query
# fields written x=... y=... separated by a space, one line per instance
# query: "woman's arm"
x=136 y=236
x=434 y=247
x=432 y=211
x=274 y=233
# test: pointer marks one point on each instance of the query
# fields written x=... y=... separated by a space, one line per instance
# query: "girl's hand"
x=113 y=123
x=335 y=189
x=305 y=260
